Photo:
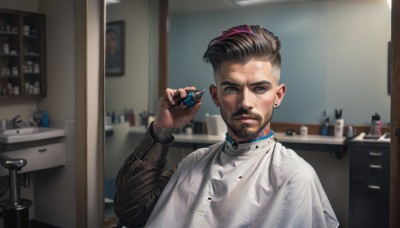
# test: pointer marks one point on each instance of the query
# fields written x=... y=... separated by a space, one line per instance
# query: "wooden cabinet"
x=369 y=184
x=22 y=55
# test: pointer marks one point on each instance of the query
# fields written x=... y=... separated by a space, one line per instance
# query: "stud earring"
x=276 y=105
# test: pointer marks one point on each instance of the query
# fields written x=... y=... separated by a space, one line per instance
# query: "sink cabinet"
x=22 y=55
x=38 y=157
x=369 y=184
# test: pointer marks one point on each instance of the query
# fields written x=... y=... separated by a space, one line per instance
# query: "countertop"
x=317 y=143
x=363 y=137
x=281 y=136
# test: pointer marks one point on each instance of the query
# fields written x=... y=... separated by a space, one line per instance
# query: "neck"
x=264 y=134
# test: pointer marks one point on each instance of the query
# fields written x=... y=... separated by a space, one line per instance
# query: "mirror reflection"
x=334 y=56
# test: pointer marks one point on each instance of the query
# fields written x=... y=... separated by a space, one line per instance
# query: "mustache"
x=243 y=111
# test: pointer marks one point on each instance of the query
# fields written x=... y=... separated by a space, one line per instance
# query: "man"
x=113 y=54
x=250 y=180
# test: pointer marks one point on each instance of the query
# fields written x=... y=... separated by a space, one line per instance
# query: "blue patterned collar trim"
x=228 y=138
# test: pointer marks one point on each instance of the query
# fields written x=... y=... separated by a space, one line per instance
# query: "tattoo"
x=162 y=134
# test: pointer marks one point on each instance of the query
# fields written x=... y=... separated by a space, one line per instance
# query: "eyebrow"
x=263 y=82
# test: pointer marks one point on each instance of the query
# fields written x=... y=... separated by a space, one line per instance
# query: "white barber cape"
x=258 y=184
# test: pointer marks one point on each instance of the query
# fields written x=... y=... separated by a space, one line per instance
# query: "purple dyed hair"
x=243 y=43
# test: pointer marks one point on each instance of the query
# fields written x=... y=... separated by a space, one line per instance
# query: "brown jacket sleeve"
x=141 y=180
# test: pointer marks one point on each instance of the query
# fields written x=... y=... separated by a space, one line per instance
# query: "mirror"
x=334 y=56
x=127 y=94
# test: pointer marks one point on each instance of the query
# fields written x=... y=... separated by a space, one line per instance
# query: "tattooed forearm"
x=162 y=134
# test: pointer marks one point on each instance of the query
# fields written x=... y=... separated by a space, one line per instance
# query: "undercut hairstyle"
x=243 y=43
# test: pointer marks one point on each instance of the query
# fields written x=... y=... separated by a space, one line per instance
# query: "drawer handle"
x=375 y=166
x=42 y=150
x=375 y=154
x=374 y=187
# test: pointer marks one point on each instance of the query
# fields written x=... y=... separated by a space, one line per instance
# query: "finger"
x=195 y=108
x=164 y=102
x=182 y=93
x=190 y=88
x=170 y=95
x=179 y=96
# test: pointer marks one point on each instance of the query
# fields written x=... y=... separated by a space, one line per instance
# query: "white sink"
x=30 y=134
x=21 y=131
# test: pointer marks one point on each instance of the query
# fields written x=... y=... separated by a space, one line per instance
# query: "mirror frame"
x=163 y=78
x=162 y=85
x=101 y=133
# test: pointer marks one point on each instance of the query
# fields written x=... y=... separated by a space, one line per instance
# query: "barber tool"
x=193 y=96
x=325 y=126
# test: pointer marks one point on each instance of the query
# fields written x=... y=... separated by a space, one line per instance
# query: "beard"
x=246 y=130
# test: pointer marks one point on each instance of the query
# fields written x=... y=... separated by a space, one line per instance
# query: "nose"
x=245 y=100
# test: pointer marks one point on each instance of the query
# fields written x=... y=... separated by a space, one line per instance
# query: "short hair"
x=111 y=30
x=242 y=43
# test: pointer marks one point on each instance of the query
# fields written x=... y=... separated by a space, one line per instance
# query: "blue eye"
x=231 y=89
x=259 y=89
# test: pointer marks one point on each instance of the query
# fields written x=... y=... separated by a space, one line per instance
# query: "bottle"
x=6 y=48
x=339 y=125
x=131 y=118
x=45 y=119
x=376 y=125
x=325 y=128
x=350 y=132
x=113 y=118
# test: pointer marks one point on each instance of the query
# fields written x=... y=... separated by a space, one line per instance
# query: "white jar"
x=303 y=130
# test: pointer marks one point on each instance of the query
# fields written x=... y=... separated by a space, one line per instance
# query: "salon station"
x=86 y=77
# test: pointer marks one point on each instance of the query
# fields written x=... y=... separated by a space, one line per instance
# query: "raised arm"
x=142 y=177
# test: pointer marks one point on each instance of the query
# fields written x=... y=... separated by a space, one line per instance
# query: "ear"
x=213 y=92
x=280 y=93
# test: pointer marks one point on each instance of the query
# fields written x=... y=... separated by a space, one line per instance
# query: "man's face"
x=111 y=43
x=246 y=94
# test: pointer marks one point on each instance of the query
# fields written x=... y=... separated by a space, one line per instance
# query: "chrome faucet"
x=16 y=122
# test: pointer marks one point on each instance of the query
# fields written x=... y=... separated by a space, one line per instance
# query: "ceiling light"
x=249 y=2
x=255 y=2
x=112 y=1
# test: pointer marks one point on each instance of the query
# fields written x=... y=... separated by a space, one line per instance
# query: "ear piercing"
x=276 y=105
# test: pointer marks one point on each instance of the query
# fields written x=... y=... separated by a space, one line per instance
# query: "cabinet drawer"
x=369 y=201
x=40 y=157
x=369 y=153
x=374 y=169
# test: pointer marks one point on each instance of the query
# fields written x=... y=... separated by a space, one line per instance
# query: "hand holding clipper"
x=176 y=109
x=193 y=96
